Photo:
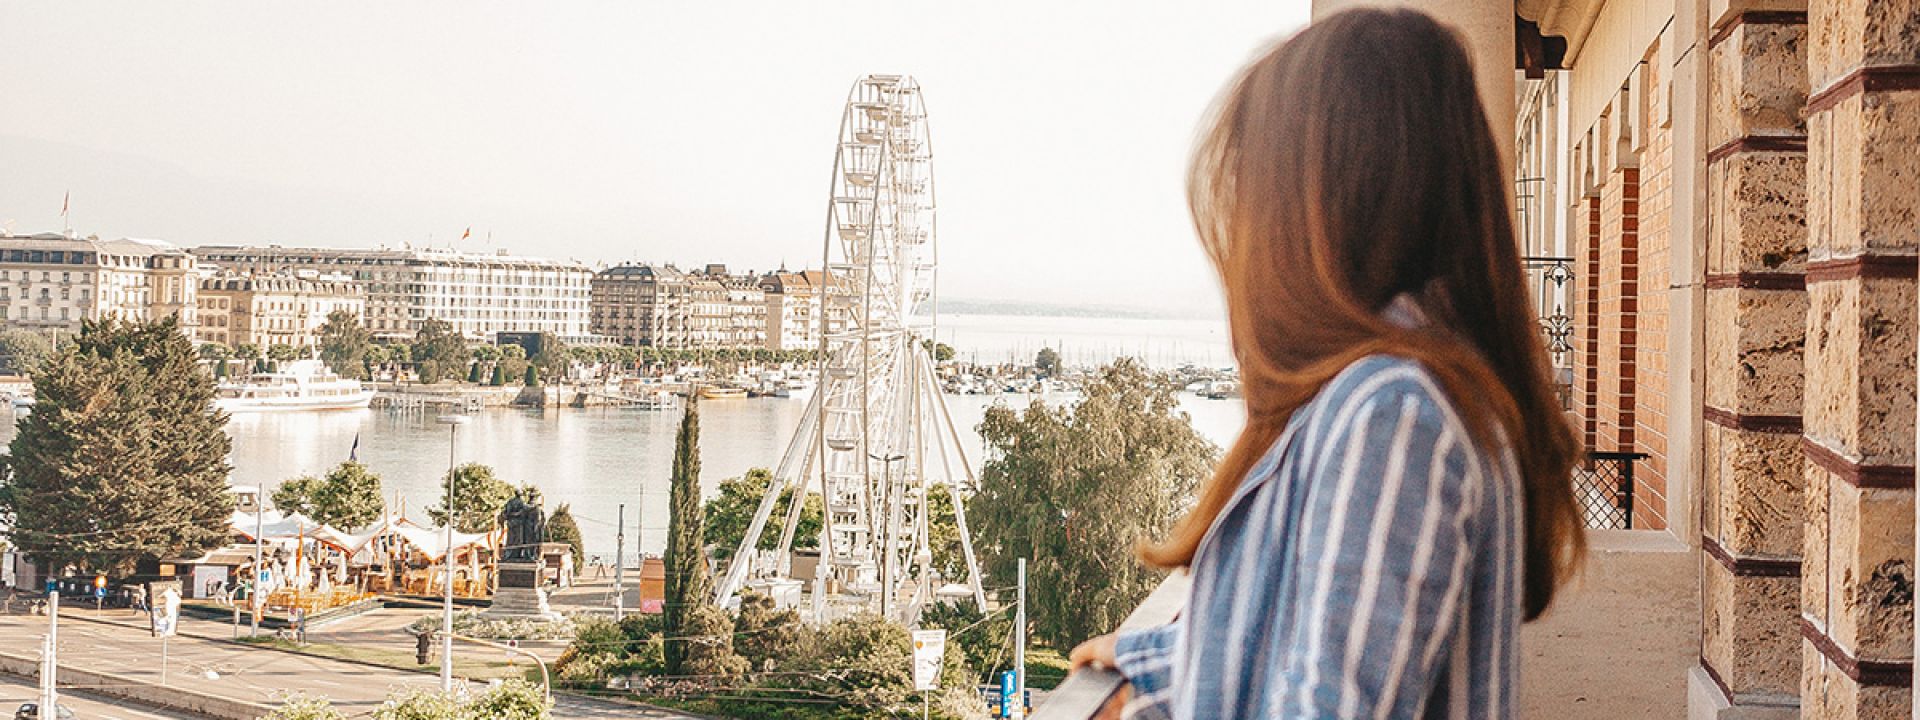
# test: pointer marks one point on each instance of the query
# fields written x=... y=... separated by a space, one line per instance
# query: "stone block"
x=1870 y=200
x=1711 y=492
x=1846 y=34
x=1762 y=493
x=1750 y=631
x=1814 y=582
x=1755 y=339
x=1859 y=396
x=1760 y=201
x=1758 y=83
x=1870 y=571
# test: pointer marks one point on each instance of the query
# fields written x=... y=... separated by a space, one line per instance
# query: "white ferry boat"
x=299 y=385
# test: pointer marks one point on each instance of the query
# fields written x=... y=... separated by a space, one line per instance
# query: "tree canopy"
x=478 y=497
x=23 y=351
x=562 y=528
x=344 y=343
x=123 y=457
x=1047 y=361
x=729 y=513
x=348 y=497
x=438 y=349
x=1072 y=489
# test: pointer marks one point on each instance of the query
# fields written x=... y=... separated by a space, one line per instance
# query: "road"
x=197 y=662
x=16 y=690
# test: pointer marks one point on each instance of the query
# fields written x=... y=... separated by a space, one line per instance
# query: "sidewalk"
x=201 y=661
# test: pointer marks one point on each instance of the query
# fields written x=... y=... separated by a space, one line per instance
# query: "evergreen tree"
x=533 y=376
x=343 y=344
x=689 y=581
x=499 y=376
x=473 y=373
x=124 y=456
x=561 y=528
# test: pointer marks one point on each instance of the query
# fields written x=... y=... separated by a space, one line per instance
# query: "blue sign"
x=266 y=576
x=53 y=586
x=1008 y=686
x=100 y=592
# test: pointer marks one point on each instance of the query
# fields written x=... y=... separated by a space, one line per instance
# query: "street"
x=15 y=690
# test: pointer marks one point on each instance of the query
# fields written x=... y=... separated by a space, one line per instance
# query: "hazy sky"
x=687 y=132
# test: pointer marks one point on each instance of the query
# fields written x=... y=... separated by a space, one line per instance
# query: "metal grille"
x=1603 y=485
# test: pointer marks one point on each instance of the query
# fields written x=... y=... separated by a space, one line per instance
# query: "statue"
x=526 y=528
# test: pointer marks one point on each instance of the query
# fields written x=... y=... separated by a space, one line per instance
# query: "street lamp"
x=453 y=423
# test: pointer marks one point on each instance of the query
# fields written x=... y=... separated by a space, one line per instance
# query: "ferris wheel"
x=876 y=436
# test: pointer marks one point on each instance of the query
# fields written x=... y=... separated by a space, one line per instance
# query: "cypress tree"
x=561 y=528
x=124 y=456
x=689 y=582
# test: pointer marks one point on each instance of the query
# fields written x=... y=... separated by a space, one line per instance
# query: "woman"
x=1399 y=500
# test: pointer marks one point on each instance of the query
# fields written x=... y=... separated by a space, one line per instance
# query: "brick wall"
x=1650 y=358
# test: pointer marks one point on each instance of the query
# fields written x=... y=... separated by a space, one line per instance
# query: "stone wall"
x=1863 y=206
x=1751 y=514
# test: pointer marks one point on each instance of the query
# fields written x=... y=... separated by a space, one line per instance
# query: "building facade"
x=273 y=310
x=1727 y=191
x=51 y=282
x=481 y=295
x=793 y=310
x=641 y=305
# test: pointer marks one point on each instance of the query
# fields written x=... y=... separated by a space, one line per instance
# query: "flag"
x=65 y=201
x=468 y=233
x=353 y=454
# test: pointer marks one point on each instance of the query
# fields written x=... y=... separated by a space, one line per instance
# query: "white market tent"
x=432 y=542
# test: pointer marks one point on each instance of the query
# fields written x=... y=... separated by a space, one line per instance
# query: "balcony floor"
x=1618 y=643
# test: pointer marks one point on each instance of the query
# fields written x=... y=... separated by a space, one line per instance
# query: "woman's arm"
x=1382 y=555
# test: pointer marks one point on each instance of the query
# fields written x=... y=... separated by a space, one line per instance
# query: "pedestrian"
x=1397 y=503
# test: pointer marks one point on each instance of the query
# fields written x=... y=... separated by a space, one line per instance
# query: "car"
x=31 y=711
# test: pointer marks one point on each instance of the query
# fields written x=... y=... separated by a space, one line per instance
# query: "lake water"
x=597 y=458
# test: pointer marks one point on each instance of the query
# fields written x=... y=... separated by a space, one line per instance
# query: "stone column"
x=1488 y=27
x=1756 y=309
x=1863 y=206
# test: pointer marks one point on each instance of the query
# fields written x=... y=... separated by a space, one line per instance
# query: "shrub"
x=511 y=700
x=301 y=706
x=418 y=703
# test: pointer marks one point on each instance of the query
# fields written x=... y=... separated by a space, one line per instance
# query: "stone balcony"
x=1619 y=642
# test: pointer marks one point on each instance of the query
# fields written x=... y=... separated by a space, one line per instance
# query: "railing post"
x=1626 y=490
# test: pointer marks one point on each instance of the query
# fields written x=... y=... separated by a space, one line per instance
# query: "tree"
x=766 y=636
x=437 y=349
x=124 y=457
x=249 y=355
x=943 y=535
x=979 y=638
x=344 y=343
x=372 y=359
x=478 y=497
x=533 y=376
x=689 y=581
x=1047 y=361
x=473 y=373
x=24 y=350
x=349 y=497
x=941 y=352
x=296 y=495
x=1067 y=488
x=499 y=376
x=282 y=352
x=728 y=514
x=561 y=528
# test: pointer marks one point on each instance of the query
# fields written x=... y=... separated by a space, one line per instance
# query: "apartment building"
x=51 y=282
x=268 y=310
x=641 y=305
x=480 y=294
x=792 y=309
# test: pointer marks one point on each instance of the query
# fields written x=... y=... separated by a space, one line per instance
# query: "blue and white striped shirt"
x=1369 y=566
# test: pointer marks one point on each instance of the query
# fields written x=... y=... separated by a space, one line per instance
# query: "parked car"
x=31 y=711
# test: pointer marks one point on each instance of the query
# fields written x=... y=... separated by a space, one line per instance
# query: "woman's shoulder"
x=1374 y=379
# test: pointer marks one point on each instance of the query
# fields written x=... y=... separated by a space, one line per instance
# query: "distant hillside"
x=965 y=306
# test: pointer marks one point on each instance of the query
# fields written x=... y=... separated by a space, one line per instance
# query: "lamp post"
x=453 y=423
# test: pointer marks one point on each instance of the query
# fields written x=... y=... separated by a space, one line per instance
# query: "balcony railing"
x=1603 y=485
x=1085 y=691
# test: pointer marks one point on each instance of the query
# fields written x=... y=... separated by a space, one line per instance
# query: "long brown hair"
x=1348 y=166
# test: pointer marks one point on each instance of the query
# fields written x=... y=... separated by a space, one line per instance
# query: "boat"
x=300 y=385
x=1223 y=389
x=720 y=392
